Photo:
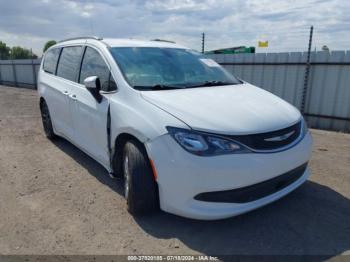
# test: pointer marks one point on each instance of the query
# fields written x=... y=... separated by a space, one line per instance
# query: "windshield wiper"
x=168 y=87
x=212 y=83
x=158 y=87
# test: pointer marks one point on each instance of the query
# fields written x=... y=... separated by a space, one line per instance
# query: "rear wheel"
x=46 y=119
x=140 y=187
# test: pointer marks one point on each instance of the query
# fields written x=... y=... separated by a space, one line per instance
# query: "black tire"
x=140 y=187
x=46 y=119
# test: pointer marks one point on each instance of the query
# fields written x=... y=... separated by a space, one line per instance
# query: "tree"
x=18 y=52
x=4 y=51
x=49 y=44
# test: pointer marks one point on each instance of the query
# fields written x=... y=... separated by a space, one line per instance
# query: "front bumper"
x=182 y=176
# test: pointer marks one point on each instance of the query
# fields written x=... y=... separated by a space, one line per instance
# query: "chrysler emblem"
x=279 y=138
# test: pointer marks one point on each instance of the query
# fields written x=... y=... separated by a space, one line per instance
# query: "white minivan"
x=181 y=132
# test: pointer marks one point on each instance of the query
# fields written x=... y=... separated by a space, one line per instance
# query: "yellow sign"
x=263 y=44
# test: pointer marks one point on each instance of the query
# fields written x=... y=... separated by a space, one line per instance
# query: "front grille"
x=270 y=140
x=254 y=192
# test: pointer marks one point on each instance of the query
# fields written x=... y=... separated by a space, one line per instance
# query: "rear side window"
x=94 y=65
x=69 y=62
x=50 y=60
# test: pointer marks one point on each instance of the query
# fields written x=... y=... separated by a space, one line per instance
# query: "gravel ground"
x=54 y=199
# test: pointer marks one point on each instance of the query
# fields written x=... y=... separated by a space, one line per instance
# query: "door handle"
x=74 y=97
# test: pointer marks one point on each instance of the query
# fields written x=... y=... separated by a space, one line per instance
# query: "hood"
x=234 y=109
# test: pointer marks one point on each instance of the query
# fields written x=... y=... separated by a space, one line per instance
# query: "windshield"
x=150 y=68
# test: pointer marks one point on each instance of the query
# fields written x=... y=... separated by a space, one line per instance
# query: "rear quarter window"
x=50 y=60
x=69 y=63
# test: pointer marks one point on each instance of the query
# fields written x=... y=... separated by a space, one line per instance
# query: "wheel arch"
x=118 y=147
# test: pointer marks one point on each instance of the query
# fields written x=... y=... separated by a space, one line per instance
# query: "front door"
x=89 y=116
x=89 y=120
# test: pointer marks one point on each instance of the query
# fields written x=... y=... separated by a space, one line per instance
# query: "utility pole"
x=203 y=40
x=307 y=73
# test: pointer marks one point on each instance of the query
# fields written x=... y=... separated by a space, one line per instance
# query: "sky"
x=226 y=23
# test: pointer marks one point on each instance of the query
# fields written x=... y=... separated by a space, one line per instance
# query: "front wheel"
x=140 y=187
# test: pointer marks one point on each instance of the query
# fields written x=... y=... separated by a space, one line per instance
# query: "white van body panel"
x=241 y=109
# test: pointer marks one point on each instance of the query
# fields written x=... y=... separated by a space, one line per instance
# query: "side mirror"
x=93 y=85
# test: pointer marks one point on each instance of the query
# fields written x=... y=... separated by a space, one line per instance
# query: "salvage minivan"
x=181 y=132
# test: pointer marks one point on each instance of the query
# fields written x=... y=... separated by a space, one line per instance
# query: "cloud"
x=226 y=23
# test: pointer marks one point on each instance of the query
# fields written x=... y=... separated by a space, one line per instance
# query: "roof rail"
x=163 y=40
x=81 y=37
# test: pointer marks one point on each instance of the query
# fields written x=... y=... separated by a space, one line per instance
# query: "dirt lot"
x=54 y=199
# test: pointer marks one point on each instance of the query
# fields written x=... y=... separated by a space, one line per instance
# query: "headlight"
x=205 y=144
